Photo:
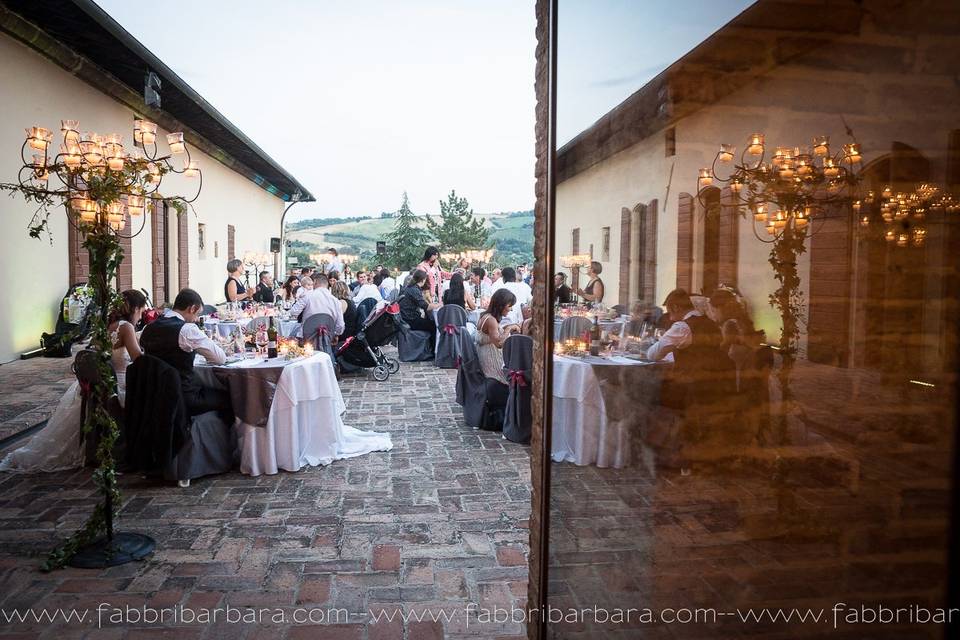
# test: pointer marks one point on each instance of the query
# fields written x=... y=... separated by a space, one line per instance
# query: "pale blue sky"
x=363 y=100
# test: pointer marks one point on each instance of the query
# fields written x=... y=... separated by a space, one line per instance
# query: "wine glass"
x=261 y=339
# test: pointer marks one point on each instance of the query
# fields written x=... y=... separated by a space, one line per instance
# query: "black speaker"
x=275 y=245
x=381 y=248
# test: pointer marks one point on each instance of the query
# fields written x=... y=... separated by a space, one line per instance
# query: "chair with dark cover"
x=364 y=309
x=392 y=296
x=255 y=324
x=88 y=376
x=414 y=345
x=574 y=327
x=320 y=329
x=472 y=392
x=451 y=322
x=518 y=367
x=162 y=438
x=208 y=309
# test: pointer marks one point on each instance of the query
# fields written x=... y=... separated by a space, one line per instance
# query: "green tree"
x=405 y=244
x=457 y=229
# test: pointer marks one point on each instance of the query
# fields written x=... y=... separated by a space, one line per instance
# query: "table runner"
x=251 y=386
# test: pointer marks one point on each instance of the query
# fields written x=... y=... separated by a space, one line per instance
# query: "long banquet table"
x=289 y=413
x=598 y=407
x=286 y=328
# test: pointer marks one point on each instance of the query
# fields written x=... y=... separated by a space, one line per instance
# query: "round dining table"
x=598 y=405
x=288 y=413
x=287 y=328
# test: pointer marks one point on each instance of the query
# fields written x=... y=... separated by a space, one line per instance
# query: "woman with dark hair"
x=233 y=289
x=430 y=265
x=490 y=339
x=414 y=308
x=593 y=292
x=458 y=294
x=289 y=289
x=57 y=446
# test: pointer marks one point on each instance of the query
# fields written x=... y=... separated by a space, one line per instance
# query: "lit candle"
x=135 y=205
x=175 y=140
x=736 y=185
x=890 y=236
x=780 y=221
x=804 y=165
x=70 y=129
x=919 y=235
x=865 y=221
x=38 y=138
x=148 y=132
x=706 y=178
x=772 y=230
x=92 y=151
x=71 y=155
x=726 y=152
x=755 y=148
x=852 y=152
x=779 y=155
x=902 y=240
x=856 y=206
x=821 y=146
x=760 y=214
x=830 y=169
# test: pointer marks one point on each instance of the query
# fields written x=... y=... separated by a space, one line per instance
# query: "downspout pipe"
x=283 y=240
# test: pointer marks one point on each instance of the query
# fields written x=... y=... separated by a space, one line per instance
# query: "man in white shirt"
x=387 y=284
x=519 y=289
x=320 y=300
x=366 y=290
x=175 y=339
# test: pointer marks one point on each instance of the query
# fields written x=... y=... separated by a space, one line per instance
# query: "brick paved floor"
x=29 y=390
x=437 y=523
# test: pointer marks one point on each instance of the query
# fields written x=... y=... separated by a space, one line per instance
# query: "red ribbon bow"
x=323 y=331
x=451 y=329
x=517 y=378
x=84 y=388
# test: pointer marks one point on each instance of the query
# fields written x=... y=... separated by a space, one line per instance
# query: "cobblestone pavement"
x=29 y=390
x=436 y=524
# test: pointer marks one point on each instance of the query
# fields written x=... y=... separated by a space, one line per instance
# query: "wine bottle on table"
x=271 y=340
x=595 y=337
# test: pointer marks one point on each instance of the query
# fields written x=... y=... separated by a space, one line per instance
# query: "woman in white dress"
x=57 y=445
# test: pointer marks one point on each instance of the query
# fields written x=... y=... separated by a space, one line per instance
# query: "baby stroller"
x=362 y=351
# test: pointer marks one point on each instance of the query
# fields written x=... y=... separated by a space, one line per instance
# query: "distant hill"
x=511 y=234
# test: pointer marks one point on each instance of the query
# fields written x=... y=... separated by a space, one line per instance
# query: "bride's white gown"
x=57 y=445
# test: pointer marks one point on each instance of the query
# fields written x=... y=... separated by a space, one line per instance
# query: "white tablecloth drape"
x=581 y=431
x=304 y=427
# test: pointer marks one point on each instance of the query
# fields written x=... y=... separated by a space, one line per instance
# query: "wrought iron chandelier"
x=99 y=181
x=798 y=185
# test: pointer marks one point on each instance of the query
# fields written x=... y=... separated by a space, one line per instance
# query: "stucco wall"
x=34 y=91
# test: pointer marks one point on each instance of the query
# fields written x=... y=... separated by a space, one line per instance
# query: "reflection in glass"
x=768 y=425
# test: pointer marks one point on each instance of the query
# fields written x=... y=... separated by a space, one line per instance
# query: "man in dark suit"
x=264 y=292
x=564 y=295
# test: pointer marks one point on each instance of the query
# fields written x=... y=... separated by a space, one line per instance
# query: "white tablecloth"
x=304 y=427
x=581 y=432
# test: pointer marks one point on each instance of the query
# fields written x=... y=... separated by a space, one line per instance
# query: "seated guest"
x=366 y=290
x=702 y=373
x=264 y=292
x=289 y=289
x=387 y=283
x=643 y=317
x=563 y=292
x=233 y=289
x=479 y=285
x=414 y=308
x=521 y=292
x=497 y=277
x=740 y=340
x=319 y=300
x=458 y=294
x=306 y=271
x=490 y=339
x=341 y=292
x=334 y=276
x=306 y=286
x=175 y=339
x=360 y=280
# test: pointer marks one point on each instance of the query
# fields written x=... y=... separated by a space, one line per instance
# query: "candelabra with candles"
x=786 y=197
x=574 y=263
x=255 y=262
x=900 y=216
x=99 y=183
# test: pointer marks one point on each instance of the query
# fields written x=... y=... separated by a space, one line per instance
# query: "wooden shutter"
x=729 y=241
x=828 y=323
x=125 y=270
x=685 y=241
x=79 y=259
x=648 y=240
x=183 y=254
x=625 y=254
x=231 y=242
x=159 y=246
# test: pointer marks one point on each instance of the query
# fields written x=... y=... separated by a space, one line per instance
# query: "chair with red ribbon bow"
x=517 y=366
x=451 y=321
x=320 y=328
